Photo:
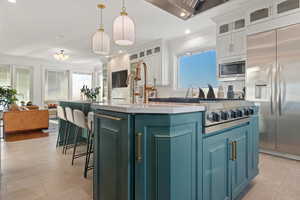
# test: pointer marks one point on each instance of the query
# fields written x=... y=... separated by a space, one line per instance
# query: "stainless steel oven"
x=232 y=70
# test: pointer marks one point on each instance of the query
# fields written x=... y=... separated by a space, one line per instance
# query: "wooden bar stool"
x=90 y=143
x=81 y=123
x=62 y=133
x=70 y=120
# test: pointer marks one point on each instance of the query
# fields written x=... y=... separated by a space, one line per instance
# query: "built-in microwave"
x=232 y=70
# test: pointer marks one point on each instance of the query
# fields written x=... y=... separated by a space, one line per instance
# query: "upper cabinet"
x=260 y=12
x=231 y=38
x=155 y=57
x=286 y=7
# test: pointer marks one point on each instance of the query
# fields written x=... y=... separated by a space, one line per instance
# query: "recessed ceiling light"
x=12 y=1
x=188 y=53
x=182 y=14
x=188 y=31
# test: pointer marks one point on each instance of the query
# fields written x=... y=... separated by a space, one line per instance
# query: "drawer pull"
x=108 y=117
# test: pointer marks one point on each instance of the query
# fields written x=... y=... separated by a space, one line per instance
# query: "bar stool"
x=90 y=144
x=62 y=130
x=70 y=120
x=81 y=123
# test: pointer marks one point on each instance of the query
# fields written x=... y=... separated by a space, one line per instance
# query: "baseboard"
x=280 y=154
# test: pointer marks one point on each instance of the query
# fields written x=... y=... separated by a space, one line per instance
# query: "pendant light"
x=124 y=29
x=101 y=41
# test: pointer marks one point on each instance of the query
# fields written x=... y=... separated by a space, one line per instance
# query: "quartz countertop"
x=151 y=108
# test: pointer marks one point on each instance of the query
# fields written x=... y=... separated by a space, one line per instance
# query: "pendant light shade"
x=101 y=43
x=100 y=40
x=124 y=29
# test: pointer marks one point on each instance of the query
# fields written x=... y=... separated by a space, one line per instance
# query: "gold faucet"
x=147 y=88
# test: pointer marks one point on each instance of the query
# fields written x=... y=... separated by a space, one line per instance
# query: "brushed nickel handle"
x=138 y=156
x=108 y=117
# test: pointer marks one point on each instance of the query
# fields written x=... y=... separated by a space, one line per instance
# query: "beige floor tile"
x=36 y=170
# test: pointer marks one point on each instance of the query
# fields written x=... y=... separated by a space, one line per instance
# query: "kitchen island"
x=161 y=152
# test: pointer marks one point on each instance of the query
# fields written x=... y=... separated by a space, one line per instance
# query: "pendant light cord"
x=101 y=16
x=123 y=6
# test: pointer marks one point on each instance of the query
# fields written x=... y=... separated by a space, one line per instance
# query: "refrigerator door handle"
x=271 y=74
x=280 y=85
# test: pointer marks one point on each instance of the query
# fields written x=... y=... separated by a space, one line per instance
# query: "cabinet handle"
x=232 y=150
x=108 y=117
x=235 y=150
x=139 y=157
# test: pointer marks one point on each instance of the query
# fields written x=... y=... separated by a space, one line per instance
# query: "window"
x=22 y=83
x=20 y=79
x=197 y=70
x=5 y=76
x=78 y=80
x=57 y=85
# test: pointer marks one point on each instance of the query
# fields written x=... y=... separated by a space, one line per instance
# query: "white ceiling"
x=39 y=28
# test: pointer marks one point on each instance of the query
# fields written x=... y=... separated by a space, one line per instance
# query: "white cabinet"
x=231 y=45
x=223 y=45
x=155 y=57
x=286 y=7
x=238 y=43
x=260 y=12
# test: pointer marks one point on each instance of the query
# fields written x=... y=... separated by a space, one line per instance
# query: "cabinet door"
x=239 y=43
x=157 y=68
x=223 y=46
x=286 y=7
x=150 y=71
x=215 y=167
x=239 y=165
x=262 y=12
x=253 y=156
x=112 y=157
x=166 y=157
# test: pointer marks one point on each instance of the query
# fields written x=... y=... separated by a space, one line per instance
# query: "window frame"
x=177 y=57
x=45 y=83
x=80 y=72
x=13 y=74
x=13 y=68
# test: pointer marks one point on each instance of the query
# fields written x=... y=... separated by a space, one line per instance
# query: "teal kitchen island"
x=164 y=152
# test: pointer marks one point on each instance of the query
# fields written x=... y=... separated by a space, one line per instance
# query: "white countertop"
x=152 y=108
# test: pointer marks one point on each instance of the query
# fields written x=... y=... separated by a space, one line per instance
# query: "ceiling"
x=38 y=29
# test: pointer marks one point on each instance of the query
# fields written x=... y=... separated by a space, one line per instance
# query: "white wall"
x=39 y=66
x=118 y=63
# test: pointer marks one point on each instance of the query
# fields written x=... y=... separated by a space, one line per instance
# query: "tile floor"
x=36 y=170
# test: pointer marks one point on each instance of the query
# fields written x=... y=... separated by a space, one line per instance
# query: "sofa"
x=25 y=120
x=51 y=106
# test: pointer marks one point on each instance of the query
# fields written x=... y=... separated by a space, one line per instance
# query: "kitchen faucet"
x=147 y=88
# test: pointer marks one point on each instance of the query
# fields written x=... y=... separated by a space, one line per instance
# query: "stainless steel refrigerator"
x=273 y=82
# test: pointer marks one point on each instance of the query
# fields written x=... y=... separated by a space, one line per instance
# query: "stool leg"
x=58 y=136
x=87 y=157
x=68 y=129
x=75 y=144
x=60 y=131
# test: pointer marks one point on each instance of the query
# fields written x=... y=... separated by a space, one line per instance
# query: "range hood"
x=185 y=9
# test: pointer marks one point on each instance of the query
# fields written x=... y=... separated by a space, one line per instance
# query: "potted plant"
x=8 y=96
x=90 y=94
